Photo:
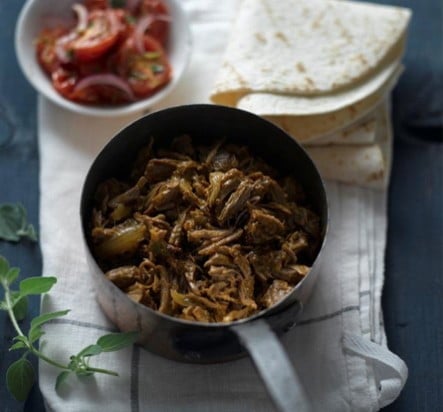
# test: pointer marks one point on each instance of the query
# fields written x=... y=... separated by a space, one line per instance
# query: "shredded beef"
x=207 y=234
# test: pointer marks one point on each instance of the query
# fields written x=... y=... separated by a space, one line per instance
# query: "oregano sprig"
x=20 y=375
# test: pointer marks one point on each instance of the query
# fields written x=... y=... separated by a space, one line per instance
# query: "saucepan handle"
x=273 y=365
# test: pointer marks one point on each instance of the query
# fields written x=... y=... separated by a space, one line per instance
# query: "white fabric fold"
x=391 y=372
x=346 y=299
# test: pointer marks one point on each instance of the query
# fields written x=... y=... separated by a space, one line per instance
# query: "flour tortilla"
x=310 y=48
x=363 y=132
x=272 y=104
x=363 y=165
x=310 y=128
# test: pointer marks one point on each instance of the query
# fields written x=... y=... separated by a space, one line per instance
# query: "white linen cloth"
x=339 y=346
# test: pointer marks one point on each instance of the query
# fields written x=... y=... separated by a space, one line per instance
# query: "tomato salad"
x=114 y=53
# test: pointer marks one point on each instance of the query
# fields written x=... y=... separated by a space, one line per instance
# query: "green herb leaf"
x=28 y=232
x=90 y=350
x=46 y=317
x=20 y=378
x=15 y=296
x=117 y=341
x=20 y=339
x=4 y=268
x=20 y=308
x=35 y=334
x=36 y=285
x=13 y=223
x=18 y=345
x=61 y=378
x=12 y=275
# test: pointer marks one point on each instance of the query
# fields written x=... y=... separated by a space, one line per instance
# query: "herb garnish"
x=151 y=55
x=117 y=4
x=13 y=223
x=20 y=375
x=157 y=68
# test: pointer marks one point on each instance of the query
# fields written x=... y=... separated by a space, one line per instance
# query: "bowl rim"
x=138 y=106
x=275 y=309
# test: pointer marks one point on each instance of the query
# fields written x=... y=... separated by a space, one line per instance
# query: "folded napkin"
x=339 y=346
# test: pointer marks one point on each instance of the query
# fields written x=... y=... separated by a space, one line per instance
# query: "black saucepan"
x=187 y=341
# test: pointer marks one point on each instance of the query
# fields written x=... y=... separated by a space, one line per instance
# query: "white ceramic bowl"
x=32 y=20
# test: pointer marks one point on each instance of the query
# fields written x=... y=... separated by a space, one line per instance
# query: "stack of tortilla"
x=323 y=71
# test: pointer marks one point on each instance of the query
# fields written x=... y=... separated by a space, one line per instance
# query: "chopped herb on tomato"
x=157 y=68
x=131 y=20
x=117 y=4
x=151 y=55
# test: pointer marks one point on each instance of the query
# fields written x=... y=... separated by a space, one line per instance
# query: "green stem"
x=17 y=328
x=34 y=350
x=43 y=357
x=104 y=371
x=11 y=312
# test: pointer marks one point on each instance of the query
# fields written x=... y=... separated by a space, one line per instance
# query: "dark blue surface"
x=18 y=183
x=413 y=294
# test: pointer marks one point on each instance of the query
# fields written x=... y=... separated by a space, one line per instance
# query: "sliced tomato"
x=96 y=4
x=145 y=72
x=153 y=6
x=45 y=47
x=159 y=28
x=90 y=67
x=102 y=33
x=99 y=94
x=127 y=24
x=64 y=81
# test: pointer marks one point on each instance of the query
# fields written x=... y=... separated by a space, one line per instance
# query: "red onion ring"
x=82 y=22
x=60 y=50
x=116 y=26
x=139 y=32
x=143 y=25
x=82 y=16
x=107 y=79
